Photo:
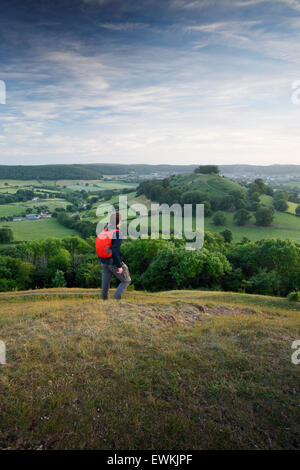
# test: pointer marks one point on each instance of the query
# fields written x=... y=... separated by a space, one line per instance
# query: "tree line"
x=270 y=267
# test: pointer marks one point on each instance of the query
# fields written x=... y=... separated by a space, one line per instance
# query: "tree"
x=241 y=217
x=75 y=245
x=177 y=268
x=207 y=209
x=6 y=235
x=172 y=196
x=283 y=256
x=60 y=261
x=260 y=187
x=139 y=254
x=156 y=193
x=59 y=279
x=222 y=202
x=264 y=216
x=298 y=210
x=254 y=196
x=192 y=197
x=280 y=205
x=23 y=276
x=260 y=184
x=280 y=194
x=219 y=218
x=207 y=169
x=294 y=197
x=227 y=235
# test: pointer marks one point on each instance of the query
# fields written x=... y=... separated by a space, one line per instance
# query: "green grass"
x=19 y=183
x=18 y=208
x=26 y=230
x=174 y=370
x=212 y=185
x=292 y=207
x=91 y=214
x=11 y=210
x=266 y=200
x=284 y=226
x=101 y=186
x=289 y=185
x=13 y=185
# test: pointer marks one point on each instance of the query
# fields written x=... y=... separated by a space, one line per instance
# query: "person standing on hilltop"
x=108 y=244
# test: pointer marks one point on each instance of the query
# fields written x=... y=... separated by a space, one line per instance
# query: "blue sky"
x=173 y=81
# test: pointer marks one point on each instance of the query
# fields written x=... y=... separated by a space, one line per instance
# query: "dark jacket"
x=115 y=248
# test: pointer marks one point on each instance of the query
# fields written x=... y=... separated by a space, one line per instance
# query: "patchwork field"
x=174 y=370
x=38 y=229
x=100 y=186
x=18 y=208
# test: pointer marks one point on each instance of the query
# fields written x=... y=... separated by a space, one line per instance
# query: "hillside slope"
x=174 y=370
x=212 y=185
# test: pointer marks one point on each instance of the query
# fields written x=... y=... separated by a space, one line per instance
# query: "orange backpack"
x=103 y=243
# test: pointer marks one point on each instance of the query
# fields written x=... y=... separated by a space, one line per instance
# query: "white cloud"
x=219 y=92
x=126 y=26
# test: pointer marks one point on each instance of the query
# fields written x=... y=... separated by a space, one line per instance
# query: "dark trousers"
x=107 y=271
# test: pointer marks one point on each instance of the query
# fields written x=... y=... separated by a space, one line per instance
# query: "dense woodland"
x=269 y=267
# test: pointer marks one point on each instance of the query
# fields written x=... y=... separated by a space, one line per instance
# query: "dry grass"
x=175 y=370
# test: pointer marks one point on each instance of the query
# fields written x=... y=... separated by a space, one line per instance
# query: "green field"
x=114 y=200
x=101 y=186
x=174 y=370
x=74 y=185
x=284 y=226
x=26 y=230
x=13 y=185
x=268 y=201
x=289 y=185
x=292 y=207
x=18 y=208
x=19 y=183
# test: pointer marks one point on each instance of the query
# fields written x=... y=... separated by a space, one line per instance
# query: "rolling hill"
x=212 y=185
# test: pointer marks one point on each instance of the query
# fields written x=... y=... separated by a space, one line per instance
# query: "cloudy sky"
x=150 y=81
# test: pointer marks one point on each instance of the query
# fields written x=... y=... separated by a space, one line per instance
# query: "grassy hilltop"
x=176 y=370
x=210 y=184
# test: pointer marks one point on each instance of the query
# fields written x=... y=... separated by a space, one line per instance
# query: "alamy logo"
x=138 y=221
x=2 y=353
x=296 y=354
x=2 y=92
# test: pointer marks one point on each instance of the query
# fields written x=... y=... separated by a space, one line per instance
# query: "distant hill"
x=93 y=171
x=88 y=171
x=261 y=170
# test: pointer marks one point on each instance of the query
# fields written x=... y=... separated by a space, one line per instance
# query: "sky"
x=150 y=81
